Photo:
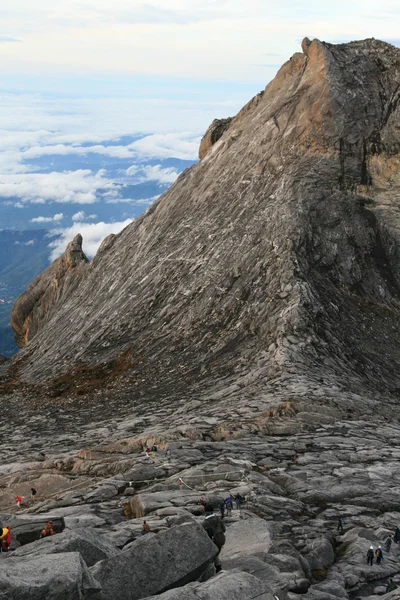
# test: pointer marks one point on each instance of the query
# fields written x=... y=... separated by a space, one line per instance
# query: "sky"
x=103 y=99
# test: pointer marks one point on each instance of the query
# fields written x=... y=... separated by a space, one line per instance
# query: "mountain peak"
x=272 y=264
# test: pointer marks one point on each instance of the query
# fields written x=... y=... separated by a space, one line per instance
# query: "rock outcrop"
x=213 y=134
x=35 y=306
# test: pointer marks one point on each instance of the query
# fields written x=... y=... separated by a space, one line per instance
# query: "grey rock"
x=50 y=577
x=155 y=563
x=226 y=586
x=91 y=545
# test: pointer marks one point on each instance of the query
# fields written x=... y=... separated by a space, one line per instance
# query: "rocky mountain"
x=275 y=259
x=248 y=321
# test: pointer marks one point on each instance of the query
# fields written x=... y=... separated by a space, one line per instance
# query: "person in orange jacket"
x=5 y=539
x=48 y=530
x=18 y=500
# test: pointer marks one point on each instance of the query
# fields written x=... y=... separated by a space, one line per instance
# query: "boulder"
x=226 y=586
x=91 y=545
x=51 y=577
x=155 y=563
x=247 y=537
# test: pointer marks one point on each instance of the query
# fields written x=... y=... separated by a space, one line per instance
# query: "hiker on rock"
x=238 y=501
x=5 y=539
x=145 y=528
x=215 y=529
x=48 y=530
x=340 y=525
x=154 y=451
x=18 y=500
x=221 y=507
x=229 y=506
x=379 y=555
x=370 y=555
x=33 y=493
x=168 y=455
x=388 y=543
x=147 y=452
x=391 y=586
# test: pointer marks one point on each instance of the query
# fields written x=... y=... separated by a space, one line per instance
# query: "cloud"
x=55 y=218
x=93 y=234
x=77 y=187
x=80 y=216
x=157 y=173
x=178 y=145
x=5 y=39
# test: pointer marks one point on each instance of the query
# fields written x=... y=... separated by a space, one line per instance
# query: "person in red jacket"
x=18 y=500
x=5 y=539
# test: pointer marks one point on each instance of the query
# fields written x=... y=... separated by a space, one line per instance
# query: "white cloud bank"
x=79 y=187
x=56 y=218
x=157 y=173
x=93 y=234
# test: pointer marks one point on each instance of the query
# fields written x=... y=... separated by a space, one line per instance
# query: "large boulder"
x=51 y=577
x=91 y=545
x=247 y=537
x=226 y=586
x=156 y=563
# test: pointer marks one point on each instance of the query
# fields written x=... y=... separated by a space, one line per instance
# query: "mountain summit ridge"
x=272 y=262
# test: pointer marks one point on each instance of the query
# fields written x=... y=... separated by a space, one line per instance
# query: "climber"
x=48 y=530
x=215 y=529
x=391 y=586
x=5 y=539
x=388 y=543
x=145 y=528
x=33 y=493
x=379 y=555
x=238 y=501
x=340 y=525
x=18 y=500
x=154 y=451
x=168 y=454
x=370 y=555
x=221 y=507
x=229 y=506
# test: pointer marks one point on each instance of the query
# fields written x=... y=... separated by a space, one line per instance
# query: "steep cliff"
x=272 y=262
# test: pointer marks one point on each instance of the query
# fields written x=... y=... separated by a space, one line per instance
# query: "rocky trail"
x=283 y=539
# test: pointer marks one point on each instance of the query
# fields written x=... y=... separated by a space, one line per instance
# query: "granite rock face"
x=272 y=263
x=50 y=289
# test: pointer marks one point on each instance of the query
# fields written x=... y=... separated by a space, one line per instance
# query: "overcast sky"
x=213 y=39
x=79 y=73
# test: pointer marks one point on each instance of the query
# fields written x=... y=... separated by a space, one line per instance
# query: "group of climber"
x=153 y=453
x=377 y=553
x=225 y=505
x=5 y=535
